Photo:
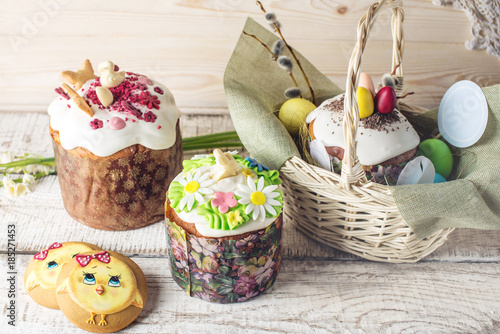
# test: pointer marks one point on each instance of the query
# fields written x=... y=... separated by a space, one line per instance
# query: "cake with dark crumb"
x=117 y=146
x=224 y=226
x=384 y=141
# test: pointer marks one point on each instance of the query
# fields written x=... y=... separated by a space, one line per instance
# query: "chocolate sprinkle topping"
x=378 y=121
x=337 y=105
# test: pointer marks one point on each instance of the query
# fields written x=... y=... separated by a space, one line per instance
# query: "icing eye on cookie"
x=89 y=279
x=114 y=281
x=52 y=265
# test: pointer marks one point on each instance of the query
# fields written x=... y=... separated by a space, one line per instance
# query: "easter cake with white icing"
x=117 y=146
x=224 y=212
x=385 y=140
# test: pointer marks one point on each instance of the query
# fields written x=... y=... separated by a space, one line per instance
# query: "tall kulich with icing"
x=117 y=146
x=224 y=227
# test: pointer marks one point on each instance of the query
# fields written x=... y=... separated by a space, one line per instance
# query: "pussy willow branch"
x=274 y=56
x=278 y=30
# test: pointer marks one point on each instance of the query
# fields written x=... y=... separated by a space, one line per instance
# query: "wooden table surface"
x=186 y=44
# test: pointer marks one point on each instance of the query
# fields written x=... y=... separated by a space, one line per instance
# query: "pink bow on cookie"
x=43 y=254
x=84 y=260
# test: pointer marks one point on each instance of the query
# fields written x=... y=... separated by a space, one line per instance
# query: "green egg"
x=440 y=155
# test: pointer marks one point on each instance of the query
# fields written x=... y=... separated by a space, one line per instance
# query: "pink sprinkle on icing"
x=116 y=68
x=126 y=119
x=159 y=90
x=146 y=99
x=150 y=117
x=68 y=106
x=131 y=109
x=144 y=80
x=159 y=127
x=116 y=123
x=96 y=124
x=133 y=120
x=61 y=92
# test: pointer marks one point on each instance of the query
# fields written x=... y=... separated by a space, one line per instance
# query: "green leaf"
x=219 y=221
x=226 y=280
x=196 y=163
x=225 y=290
x=230 y=255
x=233 y=297
x=175 y=194
x=223 y=270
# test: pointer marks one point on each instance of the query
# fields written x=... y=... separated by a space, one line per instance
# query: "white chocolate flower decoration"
x=195 y=187
x=259 y=199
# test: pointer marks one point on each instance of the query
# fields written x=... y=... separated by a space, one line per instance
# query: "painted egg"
x=418 y=171
x=365 y=80
x=438 y=178
x=440 y=155
x=293 y=114
x=385 y=100
x=365 y=102
x=116 y=123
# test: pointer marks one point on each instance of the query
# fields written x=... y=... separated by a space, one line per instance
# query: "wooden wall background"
x=186 y=45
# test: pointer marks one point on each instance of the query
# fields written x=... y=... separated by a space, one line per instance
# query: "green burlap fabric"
x=254 y=87
x=473 y=201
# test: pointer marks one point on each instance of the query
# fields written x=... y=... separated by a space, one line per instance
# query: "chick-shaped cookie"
x=101 y=283
x=40 y=277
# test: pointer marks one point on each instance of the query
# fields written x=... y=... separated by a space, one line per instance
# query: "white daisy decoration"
x=195 y=187
x=259 y=199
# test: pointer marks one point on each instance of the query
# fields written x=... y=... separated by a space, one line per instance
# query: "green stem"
x=36 y=176
x=231 y=135
x=211 y=145
x=29 y=161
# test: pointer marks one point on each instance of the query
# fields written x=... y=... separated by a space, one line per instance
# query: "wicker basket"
x=346 y=211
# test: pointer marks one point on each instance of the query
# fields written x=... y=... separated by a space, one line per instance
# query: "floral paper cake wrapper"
x=225 y=271
x=254 y=88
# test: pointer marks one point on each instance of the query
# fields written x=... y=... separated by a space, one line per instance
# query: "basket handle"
x=352 y=171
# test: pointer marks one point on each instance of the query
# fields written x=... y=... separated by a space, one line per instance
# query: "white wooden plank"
x=309 y=296
x=337 y=19
x=164 y=40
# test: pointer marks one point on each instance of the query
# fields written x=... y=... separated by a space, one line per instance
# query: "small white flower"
x=258 y=198
x=33 y=169
x=22 y=189
x=47 y=169
x=195 y=187
x=28 y=178
x=14 y=189
x=201 y=156
x=6 y=157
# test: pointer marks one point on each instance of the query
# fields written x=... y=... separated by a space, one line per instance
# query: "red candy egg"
x=385 y=100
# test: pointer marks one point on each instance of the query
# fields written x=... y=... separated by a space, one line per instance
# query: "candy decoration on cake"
x=117 y=146
x=80 y=77
x=224 y=227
